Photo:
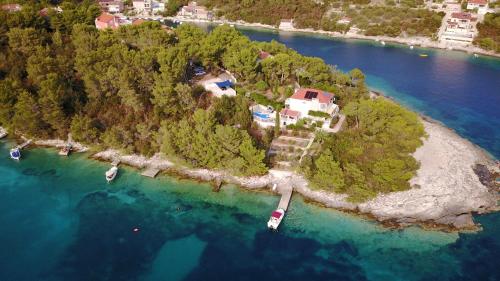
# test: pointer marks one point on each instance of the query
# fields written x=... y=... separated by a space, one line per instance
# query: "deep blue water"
x=455 y=88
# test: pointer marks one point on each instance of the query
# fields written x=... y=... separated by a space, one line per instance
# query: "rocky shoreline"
x=455 y=181
x=445 y=192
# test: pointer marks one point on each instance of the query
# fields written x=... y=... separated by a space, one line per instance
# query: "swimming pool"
x=261 y=115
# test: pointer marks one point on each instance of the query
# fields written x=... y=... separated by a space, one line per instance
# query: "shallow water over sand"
x=61 y=221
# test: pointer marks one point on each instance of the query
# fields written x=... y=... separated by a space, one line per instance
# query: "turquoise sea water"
x=59 y=220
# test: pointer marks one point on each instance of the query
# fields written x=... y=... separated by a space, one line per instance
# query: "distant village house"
x=344 y=20
x=286 y=24
x=193 y=10
x=460 y=28
x=111 y=6
x=480 y=5
x=142 y=6
x=106 y=20
x=11 y=8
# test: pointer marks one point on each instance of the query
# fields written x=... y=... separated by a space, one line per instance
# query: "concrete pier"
x=25 y=144
x=150 y=172
x=286 y=196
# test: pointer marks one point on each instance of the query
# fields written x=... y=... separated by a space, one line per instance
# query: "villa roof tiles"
x=305 y=94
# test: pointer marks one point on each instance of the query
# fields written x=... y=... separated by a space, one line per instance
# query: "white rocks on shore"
x=445 y=190
x=76 y=146
x=134 y=160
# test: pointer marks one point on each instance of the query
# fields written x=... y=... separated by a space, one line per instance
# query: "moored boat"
x=424 y=55
x=111 y=173
x=15 y=153
x=65 y=150
x=276 y=218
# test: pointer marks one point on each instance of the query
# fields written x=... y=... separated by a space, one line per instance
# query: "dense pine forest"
x=132 y=89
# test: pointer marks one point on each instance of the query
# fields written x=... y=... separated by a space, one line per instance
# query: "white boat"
x=276 y=218
x=411 y=47
x=65 y=150
x=15 y=153
x=382 y=42
x=111 y=173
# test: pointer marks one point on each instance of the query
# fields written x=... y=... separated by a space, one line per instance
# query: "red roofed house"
x=193 y=10
x=289 y=117
x=264 y=55
x=305 y=100
x=480 y=5
x=11 y=8
x=459 y=28
x=106 y=20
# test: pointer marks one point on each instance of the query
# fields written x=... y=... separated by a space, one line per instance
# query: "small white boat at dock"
x=276 y=218
x=411 y=47
x=382 y=42
x=111 y=173
x=15 y=153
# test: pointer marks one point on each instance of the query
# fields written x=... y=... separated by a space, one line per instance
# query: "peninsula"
x=219 y=106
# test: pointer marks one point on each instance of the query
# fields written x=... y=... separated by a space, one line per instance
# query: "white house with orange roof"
x=106 y=20
x=305 y=100
x=193 y=10
x=480 y=5
x=460 y=28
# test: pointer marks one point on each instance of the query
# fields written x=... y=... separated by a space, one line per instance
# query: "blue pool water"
x=261 y=115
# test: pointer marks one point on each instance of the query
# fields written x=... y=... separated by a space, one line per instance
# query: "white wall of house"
x=285 y=121
x=481 y=9
x=304 y=106
x=115 y=8
x=142 y=5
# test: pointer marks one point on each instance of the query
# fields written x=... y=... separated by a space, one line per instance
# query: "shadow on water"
x=50 y=173
x=275 y=256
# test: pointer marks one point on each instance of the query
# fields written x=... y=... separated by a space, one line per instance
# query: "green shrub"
x=319 y=114
x=261 y=85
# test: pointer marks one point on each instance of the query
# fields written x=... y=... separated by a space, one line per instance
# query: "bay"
x=60 y=220
x=455 y=88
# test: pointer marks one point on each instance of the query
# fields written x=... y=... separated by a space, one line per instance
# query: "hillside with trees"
x=133 y=89
x=408 y=18
x=489 y=33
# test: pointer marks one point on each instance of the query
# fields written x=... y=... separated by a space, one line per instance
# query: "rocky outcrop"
x=445 y=190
